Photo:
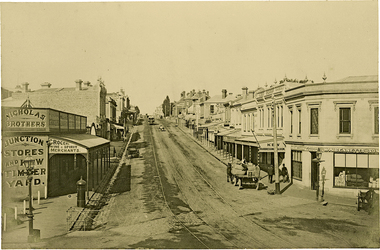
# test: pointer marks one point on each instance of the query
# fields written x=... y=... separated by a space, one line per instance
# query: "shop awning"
x=227 y=131
x=85 y=140
x=265 y=143
x=232 y=136
x=207 y=125
x=247 y=140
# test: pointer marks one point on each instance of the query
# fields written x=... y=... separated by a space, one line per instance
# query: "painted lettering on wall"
x=63 y=147
x=337 y=149
x=24 y=119
x=14 y=153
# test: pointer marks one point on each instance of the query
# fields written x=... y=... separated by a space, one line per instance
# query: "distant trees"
x=166 y=106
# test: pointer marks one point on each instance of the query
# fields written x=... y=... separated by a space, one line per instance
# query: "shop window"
x=356 y=170
x=297 y=165
x=291 y=121
x=345 y=120
x=314 y=122
x=212 y=109
x=299 y=121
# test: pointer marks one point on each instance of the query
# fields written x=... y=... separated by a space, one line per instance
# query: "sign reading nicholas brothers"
x=24 y=119
x=65 y=147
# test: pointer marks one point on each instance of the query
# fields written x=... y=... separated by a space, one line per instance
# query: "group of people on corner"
x=283 y=171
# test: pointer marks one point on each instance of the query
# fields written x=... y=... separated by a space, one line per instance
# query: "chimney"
x=45 y=85
x=25 y=87
x=252 y=93
x=183 y=94
x=78 y=84
x=224 y=93
x=244 y=92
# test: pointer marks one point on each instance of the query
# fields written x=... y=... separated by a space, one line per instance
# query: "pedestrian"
x=285 y=174
x=270 y=173
x=229 y=172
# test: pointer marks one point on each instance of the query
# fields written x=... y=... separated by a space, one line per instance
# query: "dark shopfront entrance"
x=63 y=173
x=314 y=172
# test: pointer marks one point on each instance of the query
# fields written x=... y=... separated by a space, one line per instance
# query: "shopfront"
x=55 y=145
x=345 y=168
x=76 y=156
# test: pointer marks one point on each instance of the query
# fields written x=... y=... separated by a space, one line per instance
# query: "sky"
x=158 y=49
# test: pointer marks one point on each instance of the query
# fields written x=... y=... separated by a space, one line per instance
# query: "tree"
x=166 y=107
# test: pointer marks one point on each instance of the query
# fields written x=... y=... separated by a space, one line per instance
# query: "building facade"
x=59 y=147
x=83 y=99
x=341 y=120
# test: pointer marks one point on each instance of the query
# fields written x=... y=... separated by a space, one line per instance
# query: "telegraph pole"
x=276 y=170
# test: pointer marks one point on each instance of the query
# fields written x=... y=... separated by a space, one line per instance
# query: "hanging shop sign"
x=57 y=146
x=15 y=150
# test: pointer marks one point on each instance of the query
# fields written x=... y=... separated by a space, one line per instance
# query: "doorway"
x=314 y=172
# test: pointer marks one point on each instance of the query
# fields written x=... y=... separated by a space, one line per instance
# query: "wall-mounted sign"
x=337 y=149
x=64 y=147
x=14 y=152
x=24 y=119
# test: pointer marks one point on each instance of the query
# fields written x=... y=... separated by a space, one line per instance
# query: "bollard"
x=81 y=192
x=45 y=192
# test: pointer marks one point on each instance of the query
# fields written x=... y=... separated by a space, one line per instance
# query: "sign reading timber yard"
x=15 y=150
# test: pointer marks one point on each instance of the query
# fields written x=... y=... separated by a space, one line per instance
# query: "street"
x=180 y=199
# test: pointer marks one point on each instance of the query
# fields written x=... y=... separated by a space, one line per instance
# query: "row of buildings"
x=107 y=113
x=338 y=120
x=64 y=133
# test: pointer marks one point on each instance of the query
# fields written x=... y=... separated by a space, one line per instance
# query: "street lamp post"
x=29 y=165
x=318 y=161
x=275 y=149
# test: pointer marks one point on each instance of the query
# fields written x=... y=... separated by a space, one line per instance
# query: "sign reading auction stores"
x=24 y=119
x=64 y=147
x=15 y=150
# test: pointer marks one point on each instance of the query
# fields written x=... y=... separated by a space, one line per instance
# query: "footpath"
x=50 y=217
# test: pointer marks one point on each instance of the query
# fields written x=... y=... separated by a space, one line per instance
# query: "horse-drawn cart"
x=244 y=175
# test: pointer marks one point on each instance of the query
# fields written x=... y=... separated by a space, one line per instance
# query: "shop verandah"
x=257 y=150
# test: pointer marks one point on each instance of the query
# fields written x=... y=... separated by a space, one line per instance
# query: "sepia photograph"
x=189 y=125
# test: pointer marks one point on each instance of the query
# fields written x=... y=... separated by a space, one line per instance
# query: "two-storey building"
x=340 y=119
